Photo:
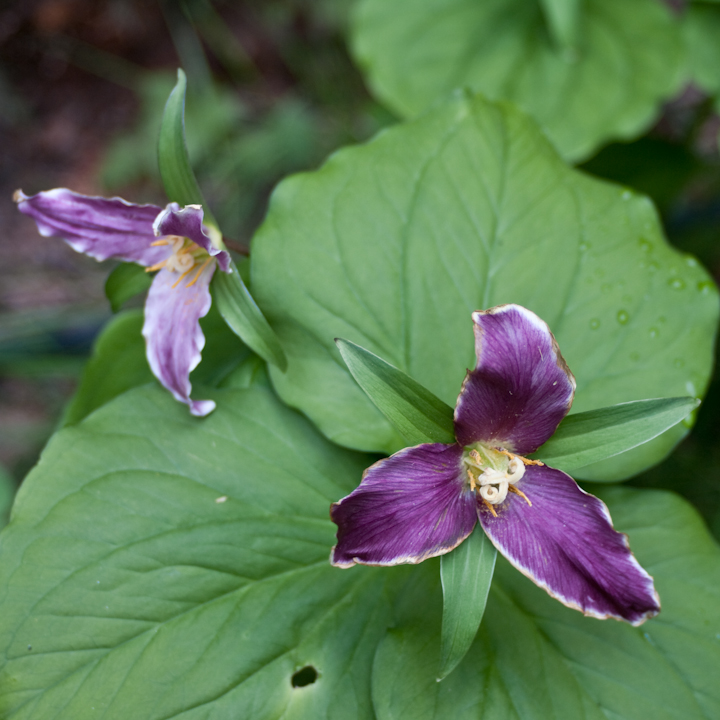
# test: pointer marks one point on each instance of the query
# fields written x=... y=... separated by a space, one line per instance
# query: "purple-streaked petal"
x=172 y=332
x=99 y=227
x=408 y=507
x=565 y=543
x=520 y=388
x=188 y=223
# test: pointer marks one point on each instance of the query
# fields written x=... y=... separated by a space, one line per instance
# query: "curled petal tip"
x=201 y=408
x=19 y=196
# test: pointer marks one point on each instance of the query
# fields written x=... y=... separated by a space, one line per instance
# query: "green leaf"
x=163 y=566
x=466 y=574
x=629 y=58
x=415 y=412
x=124 y=282
x=701 y=28
x=175 y=169
x=594 y=435
x=535 y=659
x=392 y=245
x=562 y=17
x=245 y=318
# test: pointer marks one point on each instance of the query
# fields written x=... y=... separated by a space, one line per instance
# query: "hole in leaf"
x=305 y=676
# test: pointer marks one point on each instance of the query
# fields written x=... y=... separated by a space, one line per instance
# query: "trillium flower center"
x=493 y=472
x=186 y=257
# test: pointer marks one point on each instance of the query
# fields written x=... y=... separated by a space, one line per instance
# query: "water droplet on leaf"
x=623 y=317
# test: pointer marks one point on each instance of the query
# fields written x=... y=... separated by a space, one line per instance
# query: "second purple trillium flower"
x=173 y=242
x=425 y=500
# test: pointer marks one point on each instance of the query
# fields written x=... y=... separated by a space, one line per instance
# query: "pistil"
x=185 y=258
x=492 y=473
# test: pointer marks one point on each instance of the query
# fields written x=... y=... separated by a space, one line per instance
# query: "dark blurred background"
x=272 y=91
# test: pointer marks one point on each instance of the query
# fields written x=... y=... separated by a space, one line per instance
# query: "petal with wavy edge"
x=566 y=544
x=408 y=507
x=188 y=223
x=520 y=388
x=172 y=332
x=99 y=227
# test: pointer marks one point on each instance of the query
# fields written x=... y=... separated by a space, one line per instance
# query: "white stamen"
x=493 y=484
x=494 y=495
x=516 y=469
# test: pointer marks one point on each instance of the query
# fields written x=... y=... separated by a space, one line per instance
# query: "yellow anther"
x=490 y=507
x=156 y=266
x=187 y=272
x=513 y=489
x=473 y=481
x=475 y=458
x=160 y=242
x=520 y=457
x=199 y=272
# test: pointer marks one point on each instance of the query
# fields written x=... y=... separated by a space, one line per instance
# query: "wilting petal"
x=409 y=507
x=566 y=544
x=521 y=387
x=100 y=227
x=188 y=223
x=172 y=332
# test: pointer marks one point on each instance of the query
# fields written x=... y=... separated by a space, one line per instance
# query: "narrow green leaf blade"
x=466 y=574
x=245 y=318
x=173 y=159
x=124 y=282
x=592 y=436
x=415 y=412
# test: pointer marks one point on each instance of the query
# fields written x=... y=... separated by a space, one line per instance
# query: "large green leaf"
x=161 y=566
x=534 y=659
x=392 y=246
x=628 y=56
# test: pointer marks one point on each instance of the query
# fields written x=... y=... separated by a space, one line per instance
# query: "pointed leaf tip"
x=415 y=412
x=176 y=172
x=466 y=574
x=589 y=437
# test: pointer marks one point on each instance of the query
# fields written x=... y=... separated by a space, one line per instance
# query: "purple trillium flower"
x=173 y=242
x=425 y=500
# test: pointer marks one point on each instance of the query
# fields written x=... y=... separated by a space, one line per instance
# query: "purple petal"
x=521 y=387
x=408 y=507
x=172 y=332
x=188 y=223
x=565 y=543
x=100 y=227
